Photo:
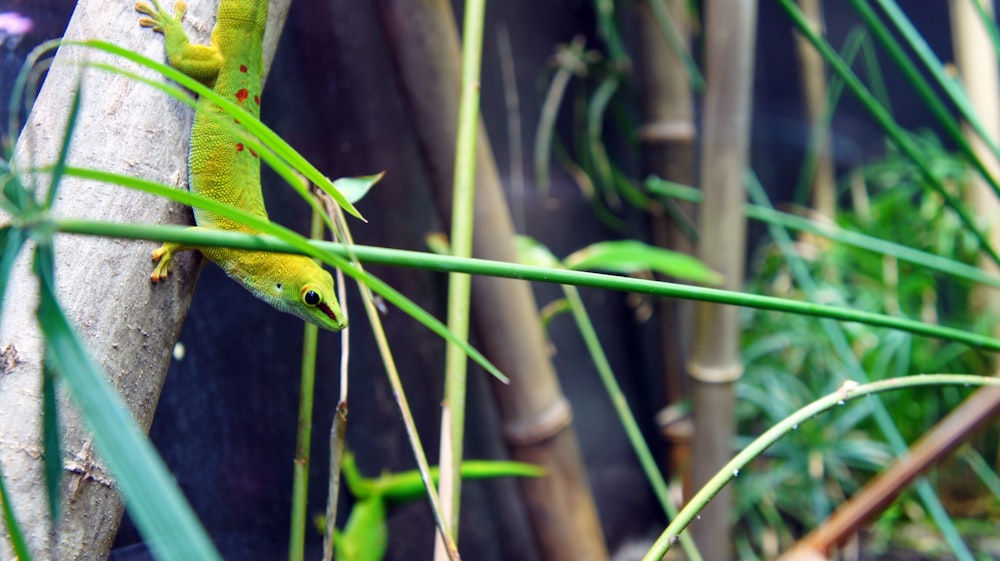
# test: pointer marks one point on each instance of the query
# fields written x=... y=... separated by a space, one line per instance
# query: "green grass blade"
x=674 y=40
x=820 y=134
x=926 y=92
x=596 y=108
x=930 y=261
x=51 y=439
x=14 y=533
x=163 y=516
x=262 y=133
x=11 y=241
x=60 y=166
x=21 y=81
x=300 y=245
x=889 y=126
x=986 y=473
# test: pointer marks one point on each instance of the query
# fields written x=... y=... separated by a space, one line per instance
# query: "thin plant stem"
x=382 y=342
x=303 y=439
x=849 y=391
x=460 y=284
x=833 y=232
x=447 y=263
x=625 y=415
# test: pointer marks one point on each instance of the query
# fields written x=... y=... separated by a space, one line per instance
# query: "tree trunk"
x=129 y=324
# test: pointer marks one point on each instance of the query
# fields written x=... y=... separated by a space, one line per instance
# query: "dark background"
x=227 y=416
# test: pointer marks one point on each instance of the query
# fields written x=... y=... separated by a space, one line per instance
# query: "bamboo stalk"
x=715 y=362
x=460 y=285
x=976 y=59
x=536 y=417
x=668 y=139
x=824 y=194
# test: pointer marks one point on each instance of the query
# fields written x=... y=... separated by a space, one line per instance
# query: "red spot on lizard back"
x=239 y=147
x=242 y=95
x=252 y=152
x=256 y=99
x=243 y=68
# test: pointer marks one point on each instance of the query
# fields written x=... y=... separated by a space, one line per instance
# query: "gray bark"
x=129 y=324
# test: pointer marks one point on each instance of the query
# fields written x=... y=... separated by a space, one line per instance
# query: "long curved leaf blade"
x=162 y=514
x=11 y=241
x=14 y=532
x=51 y=439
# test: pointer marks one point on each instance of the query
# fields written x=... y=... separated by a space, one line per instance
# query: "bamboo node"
x=667 y=131
x=542 y=426
x=715 y=374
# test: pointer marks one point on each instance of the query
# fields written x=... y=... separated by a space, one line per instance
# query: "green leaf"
x=11 y=241
x=51 y=439
x=15 y=199
x=163 y=516
x=552 y=310
x=279 y=155
x=631 y=256
x=13 y=528
x=59 y=169
x=355 y=188
x=531 y=252
x=300 y=244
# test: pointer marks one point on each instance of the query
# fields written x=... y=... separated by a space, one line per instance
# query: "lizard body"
x=221 y=166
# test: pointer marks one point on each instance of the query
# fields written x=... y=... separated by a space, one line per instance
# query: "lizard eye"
x=311 y=298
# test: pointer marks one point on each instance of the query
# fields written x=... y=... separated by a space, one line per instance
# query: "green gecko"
x=222 y=167
x=366 y=535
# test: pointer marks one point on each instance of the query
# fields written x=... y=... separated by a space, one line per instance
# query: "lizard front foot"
x=157 y=18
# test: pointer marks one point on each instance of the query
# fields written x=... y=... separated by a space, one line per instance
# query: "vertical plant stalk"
x=338 y=429
x=631 y=426
x=424 y=42
x=460 y=285
x=976 y=59
x=668 y=139
x=303 y=438
x=385 y=352
x=715 y=363
x=824 y=195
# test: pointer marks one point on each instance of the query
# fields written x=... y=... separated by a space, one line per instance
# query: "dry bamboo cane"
x=668 y=139
x=977 y=65
x=824 y=193
x=128 y=325
x=715 y=362
x=537 y=421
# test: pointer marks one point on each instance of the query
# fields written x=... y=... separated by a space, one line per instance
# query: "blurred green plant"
x=791 y=359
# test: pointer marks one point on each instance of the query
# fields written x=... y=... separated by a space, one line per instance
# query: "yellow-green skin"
x=224 y=168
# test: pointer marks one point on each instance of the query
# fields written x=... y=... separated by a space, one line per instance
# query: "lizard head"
x=299 y=286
